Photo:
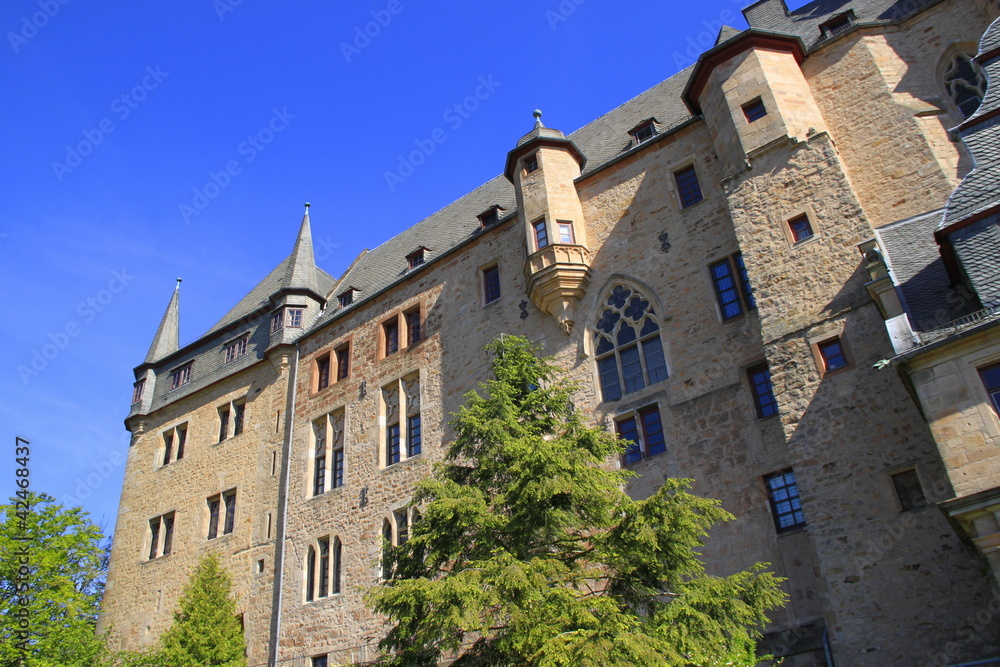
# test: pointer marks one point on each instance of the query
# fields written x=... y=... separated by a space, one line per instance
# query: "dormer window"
x=415 y=258
x=837 y=25
x=137 y=390
x=286 y=317
x=347 y=298
x=237 y=348
x=489 y=217
x=643 y=132
x=181 y=376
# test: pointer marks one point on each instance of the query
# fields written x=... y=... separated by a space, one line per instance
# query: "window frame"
x=416 y=258
x=181 y=375
x=760 y=406
x=793 y=235
x=484 y=274
x=236 y=348
x=346 y=298
x=343 y=355
x=540 y=234
x=566 y=225
x=685 y=192
x=161 y=532
x=173 y=450
x=390 y=534
x=322 y=368
x=323 y=580
x=395 y=438
x=992 y=390
x=138 y=388
x=822 y=362
x=645 y=443
x=639 y=135
x=754 y=110
x=408 y=320
x=922 y=502
x=327 y=459
x=643 y=345
x=531 y=164
x=736 y=272
x=390 y=336
x=794 y=501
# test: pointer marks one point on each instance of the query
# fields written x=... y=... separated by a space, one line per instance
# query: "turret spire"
x=167 y=338
x=301 y=270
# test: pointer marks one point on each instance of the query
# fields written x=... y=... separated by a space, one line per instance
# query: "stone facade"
x=854 y=137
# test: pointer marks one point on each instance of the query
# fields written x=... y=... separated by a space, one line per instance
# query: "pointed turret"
x=167 y=338
x=300 y=273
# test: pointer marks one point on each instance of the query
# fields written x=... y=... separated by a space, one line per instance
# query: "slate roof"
x=918 y=270
x=167 y=338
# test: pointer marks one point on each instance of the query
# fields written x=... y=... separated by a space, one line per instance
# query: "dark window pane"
x=338 y=468
x=392 y=443
x=213 y=518
x=491 y=284
x=833 y=354
x=626 y=334
x=801 y=229
x=391 y=337
x=168 y=534
x=652 y=431
x=754 y=110
x=745 y=281
x=310 y=574
x=763 y=393
x=627 y=430
x=608 y=370
x=786 y=507
x=223 y=425
x=991 y=378
x=413 y=435
x=168 y=447
x=154 y=540
x=541 y=235
x=181 y=439
x=412 y=327
x=631 y=369
x=343 y=362
x=319 y=481
x=238 y=419
x=336 y=564
x=908 y=490
x=230 y=513
x=725 y=289
x=688 y=187
x=656 y=366
x=323 y=372
x=324 y=567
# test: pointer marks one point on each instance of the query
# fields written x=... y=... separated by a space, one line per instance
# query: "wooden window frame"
x=754 y=110
x=540 y=234
x=688 y=200
x=531 y=164
x=819 y=347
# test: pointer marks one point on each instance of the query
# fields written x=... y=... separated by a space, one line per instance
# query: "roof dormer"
x=416 y=258
x=643 y=132
x=490 y=216
x=346 y=298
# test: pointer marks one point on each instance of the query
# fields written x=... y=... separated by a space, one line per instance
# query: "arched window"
x=310 y=574
x=965 y=82
x=323 y=568
x=627 y=344
x=336 y=565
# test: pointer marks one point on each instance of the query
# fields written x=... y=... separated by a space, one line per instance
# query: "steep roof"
x=167 y=338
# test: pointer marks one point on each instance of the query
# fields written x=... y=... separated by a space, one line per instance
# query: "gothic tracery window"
x=627 y=344
x=965 y=83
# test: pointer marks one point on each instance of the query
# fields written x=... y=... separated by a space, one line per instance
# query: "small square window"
x=833 y=355
x=991 y=380
x=531 y=163
x=786 y=505
x=390 y=331
x=643 y=133
x=343 y=361
x=763 y=392
x=323 y=372
x=754 y=110
x=800 y=228
x=415 y=258
x=413 y=328
x=295 y=318
x=909 y=492
x=688 y=188
x=566 y=233
x=491 y=284
x=541 y=234
x=347 y=298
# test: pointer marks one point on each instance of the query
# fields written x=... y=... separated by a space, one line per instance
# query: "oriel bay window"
x=627 y=344
x=402 y=437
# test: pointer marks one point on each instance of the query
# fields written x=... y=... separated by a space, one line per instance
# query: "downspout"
x=826 y=648
x=279 y=537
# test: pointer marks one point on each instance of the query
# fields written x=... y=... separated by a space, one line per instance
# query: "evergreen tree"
x=205 y=631
x=529 y=552
x=52 y=571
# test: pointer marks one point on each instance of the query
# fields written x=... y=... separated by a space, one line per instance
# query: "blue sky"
x=148 y=141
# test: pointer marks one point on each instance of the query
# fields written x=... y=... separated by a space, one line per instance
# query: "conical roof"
x=167 y=338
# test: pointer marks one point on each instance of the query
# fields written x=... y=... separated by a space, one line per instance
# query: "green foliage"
x=60 y=578
x=529 y=552
x=205 y=631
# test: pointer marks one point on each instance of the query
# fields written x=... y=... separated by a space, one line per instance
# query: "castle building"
x=691 y=258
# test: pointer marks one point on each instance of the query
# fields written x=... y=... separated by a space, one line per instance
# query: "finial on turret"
x=537 y=113
x=307 y=207
x=178 y=285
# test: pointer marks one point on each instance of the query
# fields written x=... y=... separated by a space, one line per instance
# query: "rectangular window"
x=763 y=393
x=566 y=233
x=783 y=495
x=402 y=527
x=531 y=163
x=336 y=564
x=278 y=321
x=237 y=348
x=310 y=573
x=390 y=330
x=745 y=288
x=643 y=133
x=319 y=661
x=833 y=355
x=688 y=188
x=541 y=234
x=168 y=533
x=991 y=380
x=725 y=290
x=644 y=430
x=631 y=369
x=412 y=435
x=168 y=446
x=239 y=410
x=491 y=284
x=754 y=110
x=412 y=319
x=295 y=318
x=182 y=433
x=324 y=567
x=154 y=537
x=213 y=517
x=343 y=361
x=607 y=368
x=346 y=299
x=800 y=228
x=909 y=492
x=392 y=443
x=338 y=468
x=489 y=218
x=323 y=372
x=319 y=476
x=137 y=390
x=415 y=259
x=319 y=458
x=181 y=376
x=223 y=423
x=230 y=501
